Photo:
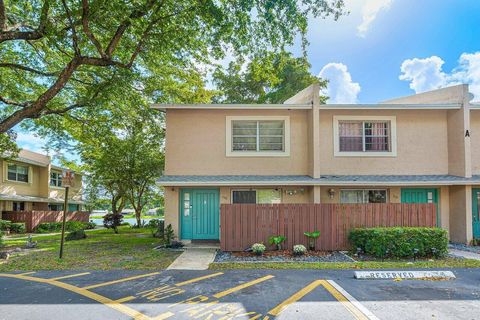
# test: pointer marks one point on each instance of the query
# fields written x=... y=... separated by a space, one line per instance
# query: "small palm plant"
x=312 y=236
x=277 y=241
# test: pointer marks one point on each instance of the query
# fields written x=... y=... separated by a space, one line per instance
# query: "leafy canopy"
x=270 y=77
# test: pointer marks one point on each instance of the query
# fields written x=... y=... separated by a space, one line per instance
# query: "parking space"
x=235 y=294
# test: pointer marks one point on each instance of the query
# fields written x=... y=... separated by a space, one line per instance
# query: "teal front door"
x=200 y=214
x=421 y=195
x=475 y=213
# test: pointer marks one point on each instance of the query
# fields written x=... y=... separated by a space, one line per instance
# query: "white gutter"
x=222 y=106
x=391 y=106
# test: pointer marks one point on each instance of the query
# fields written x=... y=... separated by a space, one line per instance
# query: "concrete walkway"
x=464 y=254
x=194 y=259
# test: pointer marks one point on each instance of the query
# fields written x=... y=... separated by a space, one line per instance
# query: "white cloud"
x=370 y=9
x=340 y=88
x=427 y=74
x=30 y=142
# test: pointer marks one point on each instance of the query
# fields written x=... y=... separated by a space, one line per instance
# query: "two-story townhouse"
x=420 y=148
x=31 y=182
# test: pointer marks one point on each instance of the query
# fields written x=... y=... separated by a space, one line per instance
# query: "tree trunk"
x=138 y=216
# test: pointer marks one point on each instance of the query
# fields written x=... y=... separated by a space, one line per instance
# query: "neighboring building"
x=32 y=183
x=421 y=148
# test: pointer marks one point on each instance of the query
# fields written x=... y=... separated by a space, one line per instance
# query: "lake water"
x=132 y=221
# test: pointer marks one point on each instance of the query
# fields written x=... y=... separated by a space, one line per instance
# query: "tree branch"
x=74 y=30
x=88 y=32
x=13 y=103
x=25 y=68
x=24 y=35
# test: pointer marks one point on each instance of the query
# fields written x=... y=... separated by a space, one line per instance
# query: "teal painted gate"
x=475 y=213
x=421 y=195
x=200 y=214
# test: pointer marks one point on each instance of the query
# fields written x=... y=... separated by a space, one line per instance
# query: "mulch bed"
x=282 y=256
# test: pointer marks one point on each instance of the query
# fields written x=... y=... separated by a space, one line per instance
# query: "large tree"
x=58 y=56
x=271 y=77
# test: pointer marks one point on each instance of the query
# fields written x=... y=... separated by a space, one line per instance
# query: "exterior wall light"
x=331 y=193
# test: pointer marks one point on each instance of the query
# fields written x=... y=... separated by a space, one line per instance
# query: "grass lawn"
x=441 y=263
x=102 y=250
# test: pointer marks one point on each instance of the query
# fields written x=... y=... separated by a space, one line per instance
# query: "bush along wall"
x=400 y=242
x=48 y=227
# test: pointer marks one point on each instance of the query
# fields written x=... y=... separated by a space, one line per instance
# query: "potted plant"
x=258 y=248
x=277 y=241
x=312 y=237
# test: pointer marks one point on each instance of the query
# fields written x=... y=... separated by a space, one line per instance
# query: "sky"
x=387 y=48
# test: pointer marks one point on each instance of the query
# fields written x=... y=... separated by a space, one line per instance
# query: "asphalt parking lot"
x=234 y=294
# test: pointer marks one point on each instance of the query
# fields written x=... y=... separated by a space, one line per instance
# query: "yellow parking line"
x=104 y=300
x=120 y=280
x=198 y=279
x=26 y=273
x=70 y=276
x=126 y=299
x=163 y=316
x=242 y=286
x=295 y=297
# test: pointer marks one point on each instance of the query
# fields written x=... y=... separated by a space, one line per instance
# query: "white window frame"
x=229 y=144
x=387 y=195
x=59 y=177
x=393 y=137
x=29 y=174
x=256 y=193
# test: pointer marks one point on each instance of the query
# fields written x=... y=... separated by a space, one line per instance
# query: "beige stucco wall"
x=421 y=145
x=475 y=140
x=74 y=193
x=195 y=145
x=461 y=214
x=34 y=188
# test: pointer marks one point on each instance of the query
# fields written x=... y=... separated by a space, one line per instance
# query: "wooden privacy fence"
x=245 y=224
x=33 y=218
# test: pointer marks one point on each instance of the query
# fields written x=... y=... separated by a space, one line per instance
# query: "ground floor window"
x=55 y=207
x=363 y=196
x=261 y=196
x=73 y=207
x=18 y=206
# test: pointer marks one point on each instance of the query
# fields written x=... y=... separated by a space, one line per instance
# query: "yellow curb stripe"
x=344 y=301
x=120 y=280
x=242 y=286
x=295 y=297
x=198 y=279
x=126 y=299
x=70 y=276
x=163 y=316
x=26 y=273
x=81 y=291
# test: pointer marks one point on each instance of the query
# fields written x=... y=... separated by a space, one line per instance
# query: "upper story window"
x=55 y=179
x=17 y=173
x=364 y=136
x=258 y=136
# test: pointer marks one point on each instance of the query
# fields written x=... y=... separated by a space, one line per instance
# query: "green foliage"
x=90 y=225
x=277 y=241
x=169 y=235
x=112 y=221
x=312 y=236
x=271 y=77
x=8 y=147
x=50 y=227
x=18 y=227
x=299 y=249
x=5 y=225
x=258 y=248
x=400 y=242
x=1 y=239
x=76 y=235
x=157 y=227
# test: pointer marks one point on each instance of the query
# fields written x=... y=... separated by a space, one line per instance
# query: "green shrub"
x=277 y=241
x=157 y=226
x=125 y=224
x=5 y=225
x=90 y=225
x=312 y=236
x=112 y=221
x=258 y=248
x=48 y=227
x=400 y=242
x=76 y=235
x=299 y=249
x=18 y=227
x=1 y=239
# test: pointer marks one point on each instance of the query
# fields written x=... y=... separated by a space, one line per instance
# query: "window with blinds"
x=258 y=136
x=364 y=136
